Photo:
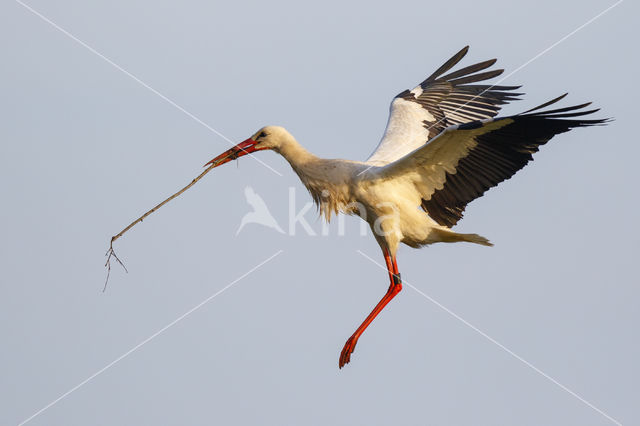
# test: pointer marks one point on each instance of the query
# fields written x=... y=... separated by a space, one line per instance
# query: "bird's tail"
x=476 y=239
x=449 y=236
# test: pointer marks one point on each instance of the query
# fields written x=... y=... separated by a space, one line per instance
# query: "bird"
x=260 y=214
x=444 y=146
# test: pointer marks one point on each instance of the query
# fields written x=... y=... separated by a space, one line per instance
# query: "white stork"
x=442 y=149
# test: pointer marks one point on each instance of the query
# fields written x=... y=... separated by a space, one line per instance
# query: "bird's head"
x=269 y=137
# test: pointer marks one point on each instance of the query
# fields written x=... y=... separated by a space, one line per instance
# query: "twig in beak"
x=111 y=252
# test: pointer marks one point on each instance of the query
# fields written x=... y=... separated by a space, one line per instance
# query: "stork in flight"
x=442 y=149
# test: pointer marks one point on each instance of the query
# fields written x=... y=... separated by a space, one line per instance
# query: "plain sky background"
x=86 y=149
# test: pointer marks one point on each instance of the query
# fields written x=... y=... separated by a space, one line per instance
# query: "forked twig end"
x=109 y=254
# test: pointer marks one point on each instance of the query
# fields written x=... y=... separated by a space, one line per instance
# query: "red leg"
x=394 y=288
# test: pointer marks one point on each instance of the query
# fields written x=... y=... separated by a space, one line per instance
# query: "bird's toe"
x=347 y=350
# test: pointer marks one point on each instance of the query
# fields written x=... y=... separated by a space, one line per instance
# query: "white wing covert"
x=418 y=115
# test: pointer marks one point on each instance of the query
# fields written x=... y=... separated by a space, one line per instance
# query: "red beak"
x=243 y=148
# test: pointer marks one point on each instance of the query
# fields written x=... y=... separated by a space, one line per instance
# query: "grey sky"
x=86 y=149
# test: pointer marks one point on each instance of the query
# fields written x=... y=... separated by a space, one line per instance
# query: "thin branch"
x=112 y=254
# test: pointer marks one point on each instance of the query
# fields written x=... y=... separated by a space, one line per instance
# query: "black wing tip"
x=546 y=104
x=468 y=74
x=566 y=112
x=450 y=63
x=471 y=73
x=495 y=88
x=476 y=77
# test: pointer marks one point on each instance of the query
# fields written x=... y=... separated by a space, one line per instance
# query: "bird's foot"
x=349 y=347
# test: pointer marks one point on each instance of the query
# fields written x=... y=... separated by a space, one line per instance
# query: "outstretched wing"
x=465 y=160
x=418 y=115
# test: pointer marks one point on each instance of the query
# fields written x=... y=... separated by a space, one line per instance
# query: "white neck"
x=295 y=153
x=327 y=180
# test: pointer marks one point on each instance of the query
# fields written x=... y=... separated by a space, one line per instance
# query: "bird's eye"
x=262 y=135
